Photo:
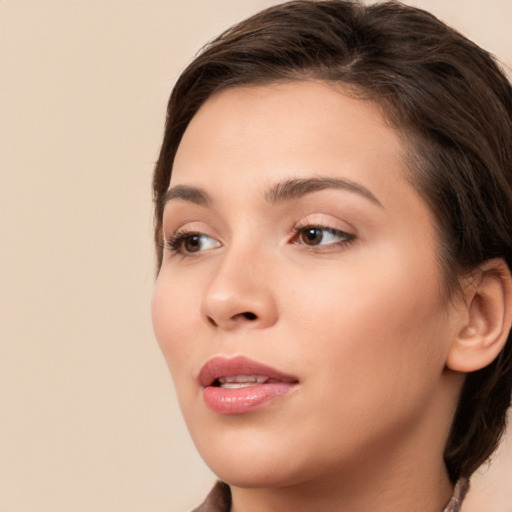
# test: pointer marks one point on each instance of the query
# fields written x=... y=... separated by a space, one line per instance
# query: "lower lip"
x=242 y=400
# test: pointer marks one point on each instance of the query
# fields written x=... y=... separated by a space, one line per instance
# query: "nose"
x=240 y=294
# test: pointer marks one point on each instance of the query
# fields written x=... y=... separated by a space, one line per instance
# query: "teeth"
x=236 y=385
x=241 y=381
x=243 y=378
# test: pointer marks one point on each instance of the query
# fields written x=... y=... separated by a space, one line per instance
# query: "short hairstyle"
x=450 y=102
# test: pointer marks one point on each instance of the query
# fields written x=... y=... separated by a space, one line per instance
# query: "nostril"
x=247 y=315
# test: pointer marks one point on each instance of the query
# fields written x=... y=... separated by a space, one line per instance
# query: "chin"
x=252 y=476
x=270 y=473
x=249 y=457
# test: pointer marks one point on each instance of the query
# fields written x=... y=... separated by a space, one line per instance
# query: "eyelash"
x=177 y=240
x=345 y=238
x=175 y=243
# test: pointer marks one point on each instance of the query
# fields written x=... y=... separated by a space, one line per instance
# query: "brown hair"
x=451 y=103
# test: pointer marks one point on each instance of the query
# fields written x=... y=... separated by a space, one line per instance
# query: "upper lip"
x=219 y=366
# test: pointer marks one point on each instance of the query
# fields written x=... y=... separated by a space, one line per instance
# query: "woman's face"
x=299 y=305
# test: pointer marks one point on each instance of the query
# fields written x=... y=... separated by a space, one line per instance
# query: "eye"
x=191 y=243
x=314 y=236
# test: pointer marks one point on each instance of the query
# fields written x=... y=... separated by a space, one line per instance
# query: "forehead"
x=264 y=134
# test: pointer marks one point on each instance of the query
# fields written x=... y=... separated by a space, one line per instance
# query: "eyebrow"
x=284 y=191
x=295 y=188
x=186 y=193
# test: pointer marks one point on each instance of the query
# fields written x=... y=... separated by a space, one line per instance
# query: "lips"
x=238 y=385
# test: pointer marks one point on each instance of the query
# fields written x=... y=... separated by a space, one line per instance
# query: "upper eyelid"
x=318 y=219
x=192 y=225
x=325 y=227
x=334 y=223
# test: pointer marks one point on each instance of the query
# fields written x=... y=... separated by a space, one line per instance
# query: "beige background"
x=88 y=420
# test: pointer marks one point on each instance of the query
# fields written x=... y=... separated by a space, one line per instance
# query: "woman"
x=333 y=202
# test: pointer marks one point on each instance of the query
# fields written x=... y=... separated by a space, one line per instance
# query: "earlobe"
x=487 y=322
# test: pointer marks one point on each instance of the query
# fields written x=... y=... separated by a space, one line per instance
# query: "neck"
x=405 y=489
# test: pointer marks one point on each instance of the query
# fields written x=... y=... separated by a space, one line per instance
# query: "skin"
x=361 y=320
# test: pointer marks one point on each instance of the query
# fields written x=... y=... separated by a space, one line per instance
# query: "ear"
x=487 y=318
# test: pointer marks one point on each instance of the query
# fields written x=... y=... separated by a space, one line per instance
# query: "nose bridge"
x=241 y=292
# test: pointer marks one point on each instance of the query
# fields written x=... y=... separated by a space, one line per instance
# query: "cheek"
x=375 y=326
x=173 y=323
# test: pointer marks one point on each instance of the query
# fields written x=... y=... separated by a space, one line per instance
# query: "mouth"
x=241 y=381
x=238 y=385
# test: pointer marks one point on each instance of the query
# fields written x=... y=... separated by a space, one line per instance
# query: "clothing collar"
x=219 y=499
